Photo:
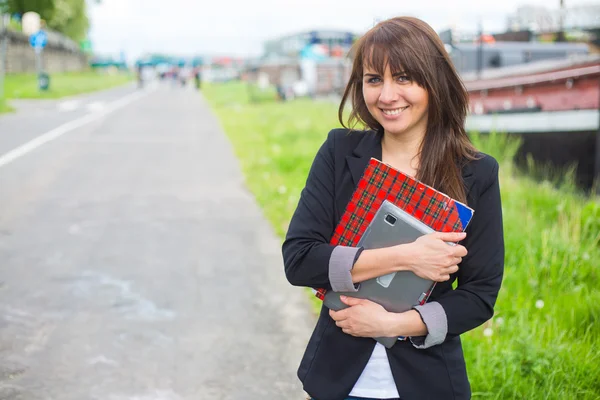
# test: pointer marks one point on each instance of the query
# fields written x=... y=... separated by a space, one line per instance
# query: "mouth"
x=394 y=111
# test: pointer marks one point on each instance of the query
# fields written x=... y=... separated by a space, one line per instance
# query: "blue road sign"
x=38 y=40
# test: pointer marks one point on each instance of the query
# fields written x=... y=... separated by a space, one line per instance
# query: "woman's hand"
x=432 y=258
x=363 y=318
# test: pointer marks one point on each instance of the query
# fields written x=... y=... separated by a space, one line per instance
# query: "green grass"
x=4 y=107
x=25 y=86
x=548 y=351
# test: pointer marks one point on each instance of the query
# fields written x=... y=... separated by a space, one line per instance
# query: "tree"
x=70 y=18
x=43 y=7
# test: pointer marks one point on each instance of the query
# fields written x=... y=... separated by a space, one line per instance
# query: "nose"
x=388 y=92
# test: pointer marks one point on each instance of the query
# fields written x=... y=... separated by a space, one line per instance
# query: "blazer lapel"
x=369 y=147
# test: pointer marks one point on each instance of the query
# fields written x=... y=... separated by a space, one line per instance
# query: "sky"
x=240 y=27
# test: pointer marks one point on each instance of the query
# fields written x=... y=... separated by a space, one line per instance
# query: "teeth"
x=394 y=112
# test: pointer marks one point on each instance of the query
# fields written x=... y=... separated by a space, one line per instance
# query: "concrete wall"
x=60 y=54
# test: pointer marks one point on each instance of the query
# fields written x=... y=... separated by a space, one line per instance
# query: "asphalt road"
x=134 y=263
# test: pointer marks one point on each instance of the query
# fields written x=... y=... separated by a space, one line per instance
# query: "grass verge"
x=25 y=86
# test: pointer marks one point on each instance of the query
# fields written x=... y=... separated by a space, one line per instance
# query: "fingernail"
x=342 y=297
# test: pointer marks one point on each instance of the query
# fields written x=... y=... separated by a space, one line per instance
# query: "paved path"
x=134 y=264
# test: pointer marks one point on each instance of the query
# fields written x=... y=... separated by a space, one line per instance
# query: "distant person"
x=184 y=74
x=405 y=90
x=140 y=76
x=175 y=75
x=198 y=77
x=280 y=93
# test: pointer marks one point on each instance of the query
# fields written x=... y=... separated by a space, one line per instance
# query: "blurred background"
x=158 y=79
x=534 y=66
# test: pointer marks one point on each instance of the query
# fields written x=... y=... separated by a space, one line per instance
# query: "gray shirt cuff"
x=434 y=317
x=340 y=264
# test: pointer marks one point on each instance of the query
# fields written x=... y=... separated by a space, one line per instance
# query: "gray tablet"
x=399 y=291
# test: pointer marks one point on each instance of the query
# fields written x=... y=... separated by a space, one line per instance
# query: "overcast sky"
x=239 y=27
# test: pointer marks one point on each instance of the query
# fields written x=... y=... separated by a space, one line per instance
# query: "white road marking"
x=68 y=105
x=69 y=126
x=96 y=106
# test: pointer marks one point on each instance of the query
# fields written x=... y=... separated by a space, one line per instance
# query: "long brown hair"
x=410 y=45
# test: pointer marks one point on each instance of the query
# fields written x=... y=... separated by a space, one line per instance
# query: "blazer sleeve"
x=481 y=271
x=306 y=249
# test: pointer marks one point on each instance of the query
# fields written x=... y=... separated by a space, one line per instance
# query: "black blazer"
x=333 y=360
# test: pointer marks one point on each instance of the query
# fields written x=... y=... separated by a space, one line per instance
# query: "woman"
x=404 y=88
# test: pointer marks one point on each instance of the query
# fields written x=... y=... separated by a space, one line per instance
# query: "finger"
x=336 y=315
x=350 y=301
x=450 y=236
x=367 y=302
x=443 y=278
x=459 y=251
x=339 y=315
x=451 y=261
x=449 y=270
x=343 y=325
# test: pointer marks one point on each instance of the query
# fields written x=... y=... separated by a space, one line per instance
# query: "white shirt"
x=376 y=380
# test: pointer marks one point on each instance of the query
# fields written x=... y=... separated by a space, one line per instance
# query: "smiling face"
x=403 y=84
x=398 y=103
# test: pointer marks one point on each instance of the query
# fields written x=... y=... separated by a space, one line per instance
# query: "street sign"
x=38 y=40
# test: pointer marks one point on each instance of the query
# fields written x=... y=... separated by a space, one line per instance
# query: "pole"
x=560 y=37
x=596 y=179
x=38 y=59
x=42 y=77
x=480 y=50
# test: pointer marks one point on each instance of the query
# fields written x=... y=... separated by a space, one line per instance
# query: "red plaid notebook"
x=382 y=182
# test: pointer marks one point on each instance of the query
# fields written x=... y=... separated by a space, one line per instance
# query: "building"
x=541 y=19
x=335 y=43
x=313 y=60
x=552 y=105
x=471 y=57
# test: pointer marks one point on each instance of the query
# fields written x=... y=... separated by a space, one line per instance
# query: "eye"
x=374 y=80
x=403 y=78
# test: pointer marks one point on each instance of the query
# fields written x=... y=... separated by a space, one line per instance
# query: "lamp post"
x=480 y=51
x=560 y=37
x=596 y=178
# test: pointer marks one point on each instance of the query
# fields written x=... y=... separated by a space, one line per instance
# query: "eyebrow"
x=393 y=75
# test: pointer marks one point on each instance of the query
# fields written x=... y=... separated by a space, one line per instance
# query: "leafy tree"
x=43 y=7
x=70 y=18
